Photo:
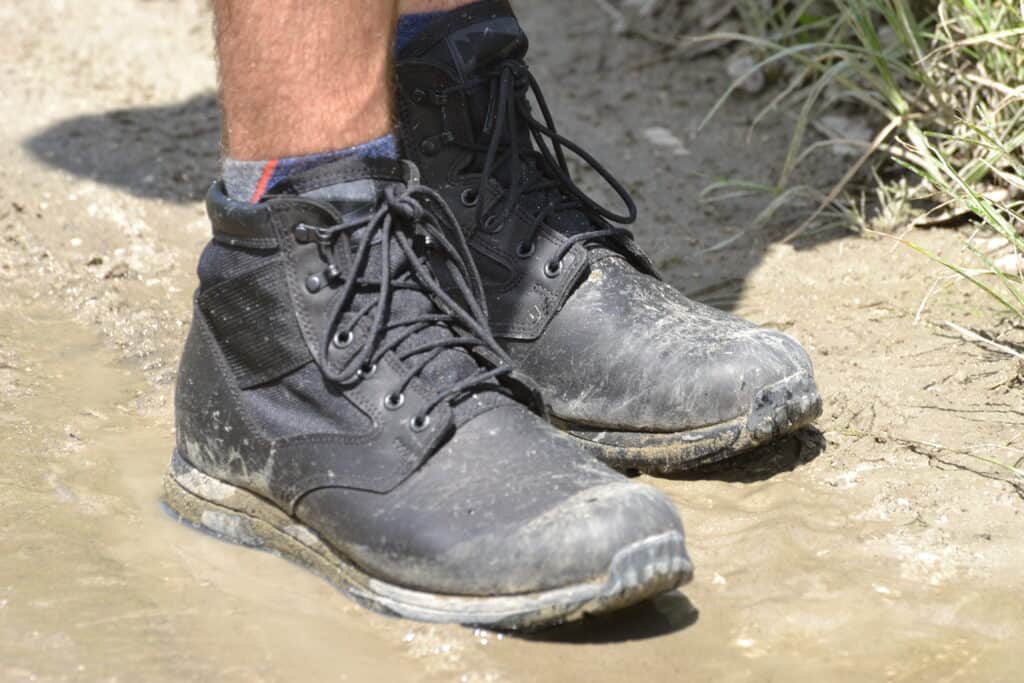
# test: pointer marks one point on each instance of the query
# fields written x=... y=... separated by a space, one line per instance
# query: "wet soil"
x=870 y=547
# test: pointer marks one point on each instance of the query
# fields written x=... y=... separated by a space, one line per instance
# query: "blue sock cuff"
x=382 y=147
x=411 y=24
x=251 y=179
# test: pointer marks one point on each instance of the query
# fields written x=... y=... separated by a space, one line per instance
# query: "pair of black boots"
x=408 y=397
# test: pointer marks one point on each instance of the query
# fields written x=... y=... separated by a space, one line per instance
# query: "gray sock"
x=249 y=180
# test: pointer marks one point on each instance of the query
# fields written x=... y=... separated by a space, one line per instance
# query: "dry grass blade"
x=976 y=338
x=837 y=189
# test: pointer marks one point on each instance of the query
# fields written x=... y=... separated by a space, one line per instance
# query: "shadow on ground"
x=166 y=152
x=171 y=151
x=660 y=616
x=762 y=464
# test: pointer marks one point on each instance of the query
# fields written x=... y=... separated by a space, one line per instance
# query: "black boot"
x=336 y=406
x=647 y=378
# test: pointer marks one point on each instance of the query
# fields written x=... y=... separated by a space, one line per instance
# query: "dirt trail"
x=852 y=551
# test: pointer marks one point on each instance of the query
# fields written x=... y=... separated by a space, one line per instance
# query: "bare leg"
x=299 y=77
x=417 y=6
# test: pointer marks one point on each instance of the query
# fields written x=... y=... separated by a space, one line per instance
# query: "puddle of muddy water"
x=97 y=582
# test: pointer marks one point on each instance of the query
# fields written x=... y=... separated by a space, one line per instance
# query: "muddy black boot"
x=647 y=378
x=336 y=406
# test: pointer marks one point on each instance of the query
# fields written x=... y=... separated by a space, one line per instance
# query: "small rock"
x=663 y=137
x=842 y=127
x=118 y=271
x=743 y=66
x=1011 y=264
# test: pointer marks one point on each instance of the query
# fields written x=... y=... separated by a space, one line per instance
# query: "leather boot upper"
x=327 y=372
x=571 y=297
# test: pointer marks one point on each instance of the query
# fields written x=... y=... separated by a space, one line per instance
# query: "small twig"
x=914 y=444
x=924 y=301
x=967 y=335
x=847 y=177
x=1002 y=89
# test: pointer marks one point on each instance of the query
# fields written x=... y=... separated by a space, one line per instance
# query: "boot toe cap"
x=630 y=353
x=577 y=541
x=509 y=506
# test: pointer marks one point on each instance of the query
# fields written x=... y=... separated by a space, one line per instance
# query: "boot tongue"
x=472 y=38
x=470 y=41
x=479 y=46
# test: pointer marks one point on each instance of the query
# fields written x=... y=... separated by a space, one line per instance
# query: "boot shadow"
x=168 y=152
x=660 y=616
x=761 y=464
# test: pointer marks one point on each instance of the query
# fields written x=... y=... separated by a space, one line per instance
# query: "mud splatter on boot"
x=336 y=406
x=646 y=378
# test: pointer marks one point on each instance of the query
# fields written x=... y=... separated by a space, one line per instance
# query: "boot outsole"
x=777 y=410
x=639 y=571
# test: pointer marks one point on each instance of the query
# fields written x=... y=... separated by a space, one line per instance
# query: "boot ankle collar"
x=244 y=224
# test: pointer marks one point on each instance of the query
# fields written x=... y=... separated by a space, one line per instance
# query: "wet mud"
x=871 y=546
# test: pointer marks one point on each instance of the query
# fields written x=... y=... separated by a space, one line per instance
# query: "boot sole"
x=639 y=571
x=777 y=410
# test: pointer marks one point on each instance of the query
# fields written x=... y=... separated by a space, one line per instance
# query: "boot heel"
x=218 y=508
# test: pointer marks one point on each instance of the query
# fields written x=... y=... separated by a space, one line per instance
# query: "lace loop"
x=403 y=205
x=508 y=119
x=392 y=228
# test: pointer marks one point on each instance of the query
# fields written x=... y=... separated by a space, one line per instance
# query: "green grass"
x=942 y=80
x=943 y=83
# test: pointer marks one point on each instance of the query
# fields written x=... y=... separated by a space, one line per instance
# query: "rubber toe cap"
x=510 y=505
x=629 y=352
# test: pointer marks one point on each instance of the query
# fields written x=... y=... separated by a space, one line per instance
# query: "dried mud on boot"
x=328 y=408
x=648 y=379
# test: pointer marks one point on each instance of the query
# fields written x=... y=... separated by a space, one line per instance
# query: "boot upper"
x=328 y=372
x=571 y=297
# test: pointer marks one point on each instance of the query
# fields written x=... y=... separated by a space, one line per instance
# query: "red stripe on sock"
x=261 y=186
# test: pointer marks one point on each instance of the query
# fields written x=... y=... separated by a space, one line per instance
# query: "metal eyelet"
x=394 y=401
x=429 y=147
x=525 y=249
x=553 y=269
x=419 y=423
x=489 y=224
x=314 y=283
x=469 y=197
x=368 y=372
x=343 y=339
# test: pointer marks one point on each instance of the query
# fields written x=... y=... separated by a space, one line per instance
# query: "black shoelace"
x=510 y=84
x=395 y=224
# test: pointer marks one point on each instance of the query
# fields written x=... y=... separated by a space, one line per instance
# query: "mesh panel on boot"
x=218 y=262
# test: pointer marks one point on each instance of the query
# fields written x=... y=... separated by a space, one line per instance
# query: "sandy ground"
x=870 y=547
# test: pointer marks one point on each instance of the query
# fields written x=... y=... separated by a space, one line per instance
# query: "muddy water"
x=97 y=582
